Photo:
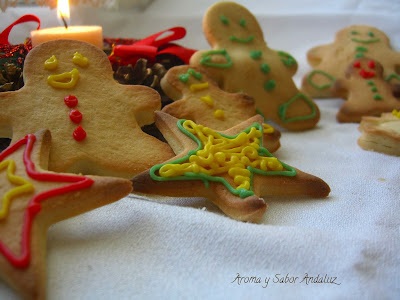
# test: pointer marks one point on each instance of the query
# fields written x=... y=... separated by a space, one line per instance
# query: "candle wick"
x=63 y=19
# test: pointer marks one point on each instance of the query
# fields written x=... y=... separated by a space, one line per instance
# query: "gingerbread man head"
x=363 y=35
x=365 y=68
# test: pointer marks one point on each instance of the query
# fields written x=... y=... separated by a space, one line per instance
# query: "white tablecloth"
x=168 y=248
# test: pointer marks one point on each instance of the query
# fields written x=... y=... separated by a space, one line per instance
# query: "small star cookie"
x=197 y=97
x=95 y=122
x=33 y=199
x=241 y=61
x=365 y=91
x=381 y=134
x=230 y=168
x=330 y=61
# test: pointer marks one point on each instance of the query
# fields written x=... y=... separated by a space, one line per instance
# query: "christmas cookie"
x=230 y=168
x=330 y=61
x=95 y=122
x=198 y=98
x=33 y=199
x=381 y=134
x=365 y=90
x=241 y=61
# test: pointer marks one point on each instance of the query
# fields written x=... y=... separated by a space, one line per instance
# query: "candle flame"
x=63 y=11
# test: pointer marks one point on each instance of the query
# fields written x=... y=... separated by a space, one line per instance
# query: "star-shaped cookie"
x=197 y=97
x=32 y=200
x=240 y=60
x=95 y=122
x=230 y=168
x=381 y=134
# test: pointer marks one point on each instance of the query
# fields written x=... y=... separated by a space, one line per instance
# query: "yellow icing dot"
x=396 y=113
x=60 y=80
x=80 y=60
x=268 y=128
x=198 y=86
x=219 y=114
x=24 y=186
x=207 y=100
x=51 y=63
x=224 y=156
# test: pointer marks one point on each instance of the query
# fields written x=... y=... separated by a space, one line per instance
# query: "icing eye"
x=51 y=63
x=371 y=64
x=80 y=60
x=357 y=64
x=354 y=32
x=242 y=22
x=371 y=34
x=224 y=19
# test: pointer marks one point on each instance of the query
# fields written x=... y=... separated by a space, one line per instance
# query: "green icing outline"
x=283 y=107
x=255 y=54
x=391 y=76
x=242 y=193
x=247 y=40
x=185 y=77
x=365 y=41
x=205 y=59
x=287 y=59
x=320 y=87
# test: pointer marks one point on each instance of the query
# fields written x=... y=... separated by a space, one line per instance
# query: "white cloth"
x=139 y=248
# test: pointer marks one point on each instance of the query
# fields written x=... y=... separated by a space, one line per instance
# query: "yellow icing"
x=219 y=114
x=51 y=63
x=198 y=86
x=58 y=81
x=80 y=60
x=24 y=186
x=268 y=128
x=224 y=156
x=207 y=100
x=396 y=113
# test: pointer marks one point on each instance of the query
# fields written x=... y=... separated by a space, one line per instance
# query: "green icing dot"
x=377 y=97
x=265 y=68
x=270 y=85
x=359 y=55
x=255 y=54
x=374 y=89
x=354 y=32
x=224 y=19
x=371 y=34
x=242 y=22
x=184 y=77
x=361 y=49
x=370 y=82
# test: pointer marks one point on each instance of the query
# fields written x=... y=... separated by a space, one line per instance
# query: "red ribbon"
x=6 y=32
x=151 y=47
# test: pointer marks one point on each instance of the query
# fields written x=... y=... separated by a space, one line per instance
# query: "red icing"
x=366 y=74
x=357 y=64
x=79 y=134
x=75 y=116
x=371 y=64
x=71 y=101
x=33 y=208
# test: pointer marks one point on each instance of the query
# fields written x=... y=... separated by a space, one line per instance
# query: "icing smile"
x=246 y=40
x=65 y=80
x=365 y=41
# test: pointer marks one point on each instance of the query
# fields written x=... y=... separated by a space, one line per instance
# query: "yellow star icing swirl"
x=231 y=160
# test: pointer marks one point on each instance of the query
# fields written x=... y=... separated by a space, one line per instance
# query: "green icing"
x=224 y=19
x=355 y=32
x=391 y=76
x=320 y=87
x=265 y=68
x=255 y=54
x=242 y=22
x=374 y=89
x=242 y=193
x=283 y=108
x=205 y=60
x=365 y=41
x=377 y=97
x=185 y=77
x=370 y=82
x=270 y=85
x=260 y=113
x=371 y=34
x=359 y=55
x=361 y=49
x=246 y=40
x=287 y=59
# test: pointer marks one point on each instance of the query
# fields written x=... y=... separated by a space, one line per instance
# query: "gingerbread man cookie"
x=95 y=122
x=230 y=168
x=33 y=199
x=197 y=97
x=381 y=134
x=366 y=92
x=241 y=61
x=330 y=61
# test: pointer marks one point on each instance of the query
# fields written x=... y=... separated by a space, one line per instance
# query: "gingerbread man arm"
x=215 y=64
x=288 y=61
x=340 y=88
x=316 y=54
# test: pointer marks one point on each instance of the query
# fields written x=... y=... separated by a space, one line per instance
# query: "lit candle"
x=90 y=34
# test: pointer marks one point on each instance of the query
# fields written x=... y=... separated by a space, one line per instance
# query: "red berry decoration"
x=75 y=116
x=79 y=134
x=371 y=64
x=71 y=101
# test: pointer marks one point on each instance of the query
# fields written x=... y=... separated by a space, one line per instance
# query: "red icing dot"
x=75 y=116
x=357 y=64
x=79 y=134
x=71 y=101
x=371 y=64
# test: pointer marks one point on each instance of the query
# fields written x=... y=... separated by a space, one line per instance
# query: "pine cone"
x=10 y=78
